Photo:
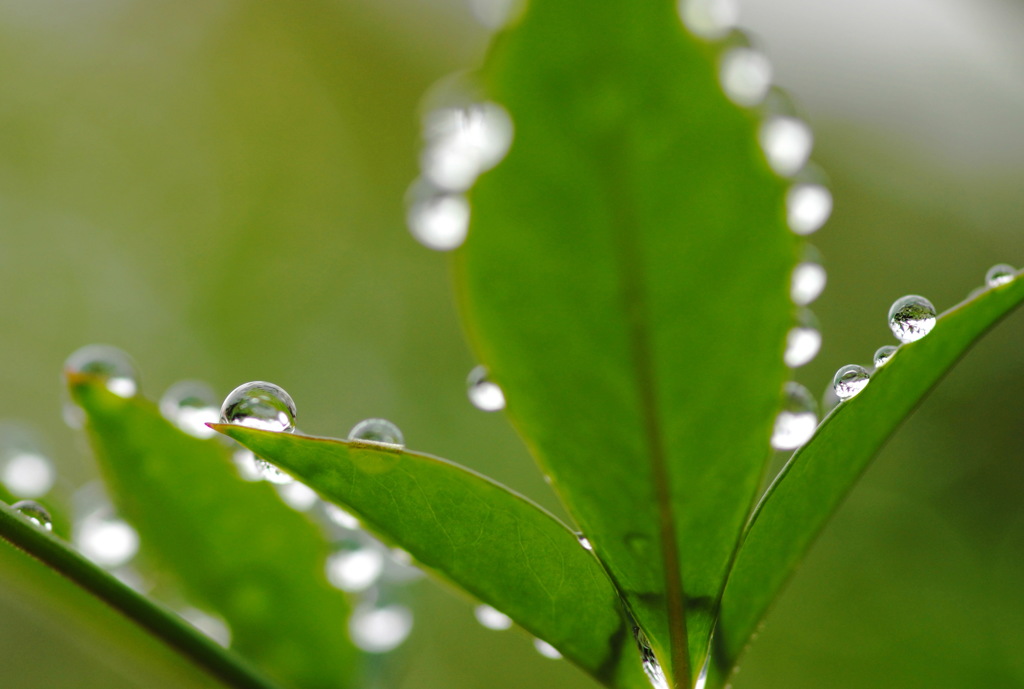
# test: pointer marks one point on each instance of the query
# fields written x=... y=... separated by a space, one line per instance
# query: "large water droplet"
x=484 y=393
x=1000 y=275
x=438 y=220
x=259 y=405
x=652 y=668
x=463 y=142
x=850 y=380
x=911 y=318
x=106 y=540
x=379 y=630
x=786 y=142
x=808 y=206
x=709 y=18
x=355 y=570
x=546 y=649
x=746 y=75
x=35 y=513
x=491 y=618
x=109 y=364
x=190 y=405
x=808 y=282
x=803 y=341
x=883 y=354
x=377 y=432
x=797 y=419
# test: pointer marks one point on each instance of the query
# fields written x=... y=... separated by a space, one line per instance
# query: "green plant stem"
x=175 y=632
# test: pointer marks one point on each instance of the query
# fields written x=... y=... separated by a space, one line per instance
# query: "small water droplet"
x=245 y=463
x=808 y=282
x=787 y=143
x=377 y=432
x=585 y=542
x=379 y=630
x=803 y=341
x=109 y=364
x=28 y=474
x=210 y=625
x=259 y=405
x=850 y=380
x=797 y=419
x=463 y=142
x=808 y=206
x=355 y=570
x=297 y=495
x=883 y=354
x=438 y=220
x=340 y=517
x=35 y=513
x=652 y=668
x=106 y=540
x=746 y=75
x=190 y=405
x=546 y=649
x=709 y=18
x=911 y=318
x=484 y=393
x=491 y=618
x=1000 y=275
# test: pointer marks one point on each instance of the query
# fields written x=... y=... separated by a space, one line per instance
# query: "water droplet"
x=808 y=206
x=787 y=143
x=377 y=432
x=491 y=618
x=106 y=540
x=463 y=142
x=270 y=473
x=297 y=495
x=797 y=419
x=28 y=474
x=911 y=318
x=340 y=517
x=484 y=393
x=808 y=282
x=109 y=364
x=438 y=220
x=379 y=630
x=35 y=513
x=245 y=463
x=1000 y=275
x=709 y=18
x=190 y=405
x=746 y=76
x=883 y=354
x=210 y=625
x=652 y=668
x=259 y=405
x=495 y=14
x=546 y=649
x=803 y=341
x=585 y=542
x=850 y=380
x=355 y=570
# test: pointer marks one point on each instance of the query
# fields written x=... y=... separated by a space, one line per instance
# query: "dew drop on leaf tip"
x=110 y=364
x=911 y=318
x=1000 y=274
x=883 y=354
x=492 y=618
x=709 y=19
x=797 y=419
x=260 y=405
x=484 y=394
x=34 y=513
x=850 y=380
x=377 y=432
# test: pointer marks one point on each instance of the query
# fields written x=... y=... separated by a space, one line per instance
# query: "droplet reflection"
x=883 y=354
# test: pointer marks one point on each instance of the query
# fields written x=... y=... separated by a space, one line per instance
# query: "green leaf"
x=234 y=546
x=493 y=543
x=816 y=479
x=76 y=611
x=626 y=281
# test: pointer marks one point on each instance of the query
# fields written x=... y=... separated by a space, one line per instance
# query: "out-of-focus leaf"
x=234 y=546
x=626 y=280
x=491 y=542
x=817 y=478
x=222 y=668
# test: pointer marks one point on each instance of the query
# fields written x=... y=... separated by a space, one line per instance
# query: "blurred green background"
x=217 y=188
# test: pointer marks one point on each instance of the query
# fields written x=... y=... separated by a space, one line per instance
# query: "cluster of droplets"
x=461 y=142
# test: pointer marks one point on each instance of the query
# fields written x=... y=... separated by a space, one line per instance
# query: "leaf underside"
x=233 y=546
x=492 y=543
x=814 y=482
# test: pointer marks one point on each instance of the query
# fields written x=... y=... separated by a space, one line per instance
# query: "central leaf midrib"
x=625 y=230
